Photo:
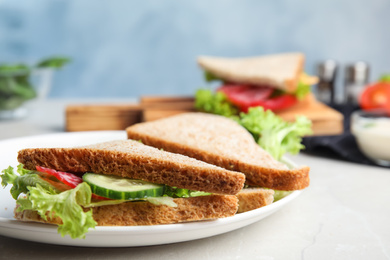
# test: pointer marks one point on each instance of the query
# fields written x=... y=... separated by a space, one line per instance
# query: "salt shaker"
x=327 y=72
x=356 y=78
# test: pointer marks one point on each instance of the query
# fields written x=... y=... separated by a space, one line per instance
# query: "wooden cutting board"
x=326 y=121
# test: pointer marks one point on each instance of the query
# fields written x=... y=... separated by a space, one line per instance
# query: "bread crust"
x=292 y=83
x=244 y=155
x=254 y=198
x=134 y=160
x=145 y=213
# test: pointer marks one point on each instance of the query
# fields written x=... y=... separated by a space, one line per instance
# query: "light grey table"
x=344 y=214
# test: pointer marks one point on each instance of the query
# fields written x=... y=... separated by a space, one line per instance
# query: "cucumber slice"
x=114 y=187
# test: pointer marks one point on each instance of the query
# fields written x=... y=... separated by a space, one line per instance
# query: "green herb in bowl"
x=15 y=81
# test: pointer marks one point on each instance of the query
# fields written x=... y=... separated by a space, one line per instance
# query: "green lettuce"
x=43 y=197
x=21 y=182
x=215 y=103
x=273 y=134
x=65 y=205
x=183 y=193
x=280 y=194
x=302 y=90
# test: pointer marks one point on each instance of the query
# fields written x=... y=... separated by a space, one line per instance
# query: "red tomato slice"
x=54 y=181
x=376 y=96
x=245 y=96
x=67 y=178
x=275 y=104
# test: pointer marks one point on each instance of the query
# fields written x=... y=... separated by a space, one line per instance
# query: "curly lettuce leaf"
x=20 y=169
x=65 y=205
x=8 y=176
x=21 y=182
x=215 y=103
x=273 y=134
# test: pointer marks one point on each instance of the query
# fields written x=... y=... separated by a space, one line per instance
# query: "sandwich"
x=118 y=183
x=273 y=82
x=254 y=198
x=276 y=82
x=223 y=142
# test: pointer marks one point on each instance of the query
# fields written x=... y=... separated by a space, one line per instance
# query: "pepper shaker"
x=327 y=72
x=356 y=78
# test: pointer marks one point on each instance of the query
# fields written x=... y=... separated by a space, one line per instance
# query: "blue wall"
x=130 y=48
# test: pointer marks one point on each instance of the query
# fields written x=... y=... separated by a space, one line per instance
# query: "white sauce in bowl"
x=373 y=137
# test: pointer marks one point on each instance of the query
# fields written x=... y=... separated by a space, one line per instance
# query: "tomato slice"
x=70 y=179
x=246 y=96
x=276 y=103
x=54 y=181
x=376 y=96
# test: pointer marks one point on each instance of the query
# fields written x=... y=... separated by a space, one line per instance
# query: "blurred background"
x=123 y=48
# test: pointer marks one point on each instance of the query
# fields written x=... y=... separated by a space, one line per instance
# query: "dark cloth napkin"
x=343 y=147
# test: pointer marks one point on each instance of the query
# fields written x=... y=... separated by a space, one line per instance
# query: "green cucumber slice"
x=115 y=187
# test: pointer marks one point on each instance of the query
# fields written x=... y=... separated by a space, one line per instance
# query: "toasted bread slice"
x=254 y=198
x=223 y=142
x=145 y=213
x=132 y=159
x=281 y=71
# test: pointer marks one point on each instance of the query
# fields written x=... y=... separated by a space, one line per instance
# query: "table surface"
x=344 y=214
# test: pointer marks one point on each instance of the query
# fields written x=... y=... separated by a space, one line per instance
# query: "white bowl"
x=372 y=132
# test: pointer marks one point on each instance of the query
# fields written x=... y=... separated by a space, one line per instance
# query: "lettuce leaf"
x=302 y=90
x=182 y=193
x=273 y=134
x=22 y=181
x=215 y=103
x=43 y=197
x=280 y=194
x=65 y=205
x=8 y=176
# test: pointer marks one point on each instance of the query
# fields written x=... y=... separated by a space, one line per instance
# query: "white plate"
x=109 y=236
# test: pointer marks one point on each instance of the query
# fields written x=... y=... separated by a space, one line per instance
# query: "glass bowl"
x=372 y=132
x=20 y=88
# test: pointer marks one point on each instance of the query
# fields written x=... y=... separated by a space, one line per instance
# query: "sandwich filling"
x=244 y=96
x=71 y=197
